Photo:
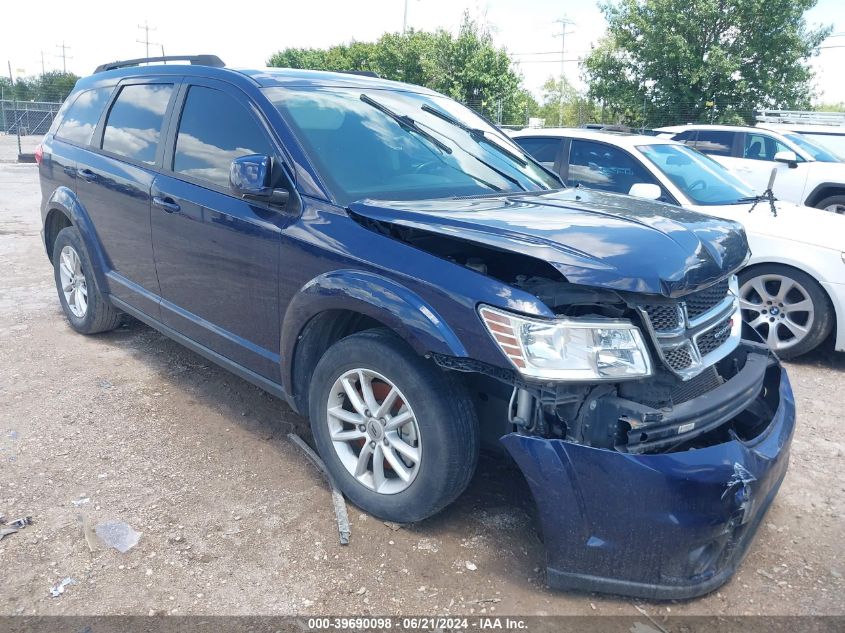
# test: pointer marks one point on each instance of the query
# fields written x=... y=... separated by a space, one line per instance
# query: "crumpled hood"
x=593 y=238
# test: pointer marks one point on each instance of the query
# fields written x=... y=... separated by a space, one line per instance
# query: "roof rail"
x=196 y=60
x=810 y=117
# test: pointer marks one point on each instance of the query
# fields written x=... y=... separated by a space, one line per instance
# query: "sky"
x=105 y=31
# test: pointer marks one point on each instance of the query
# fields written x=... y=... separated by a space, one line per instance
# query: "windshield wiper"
x=478 y=135
x=407 y=123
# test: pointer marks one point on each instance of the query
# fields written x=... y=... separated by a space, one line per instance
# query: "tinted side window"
x=213 y=131
x=133 y=127
x=604 y=167
x=82 y=116
x=762 y=147
x=544 y=150
x=716 y=142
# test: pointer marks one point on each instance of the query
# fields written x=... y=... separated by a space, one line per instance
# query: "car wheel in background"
x=399 y=436
x=788 y=308
x=834 y=204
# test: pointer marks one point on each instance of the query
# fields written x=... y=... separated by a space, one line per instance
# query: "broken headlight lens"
x=569 y=349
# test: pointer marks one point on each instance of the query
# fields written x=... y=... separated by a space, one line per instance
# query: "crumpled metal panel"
x=668 y=526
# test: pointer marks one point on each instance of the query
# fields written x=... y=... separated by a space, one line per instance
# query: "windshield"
x=813 y=149
x=832 y=142
x=394 y=145
x=700 y=178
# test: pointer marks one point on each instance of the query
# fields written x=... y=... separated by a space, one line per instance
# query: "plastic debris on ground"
x=59 y=588
x=7 y=529
x=118 y=535
x=338 y=502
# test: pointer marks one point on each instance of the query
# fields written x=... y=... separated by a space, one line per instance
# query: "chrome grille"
x=664 y=316
x=679 y=358
x=712 y=339
x=697 y=330
x=700 y=302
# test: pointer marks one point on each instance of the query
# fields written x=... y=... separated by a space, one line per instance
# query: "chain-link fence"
x=27 y=117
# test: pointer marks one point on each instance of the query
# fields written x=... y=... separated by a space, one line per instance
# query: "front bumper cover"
x=660 y=526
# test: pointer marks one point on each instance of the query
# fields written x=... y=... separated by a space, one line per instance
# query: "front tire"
x=399 y=436
x=787 y=307
x=84 y=305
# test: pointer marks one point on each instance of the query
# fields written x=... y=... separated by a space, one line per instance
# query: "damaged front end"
x=652 y=436
x=661 y=520
x=650 y=487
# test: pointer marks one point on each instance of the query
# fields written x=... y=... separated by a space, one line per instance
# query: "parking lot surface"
x=130 y=426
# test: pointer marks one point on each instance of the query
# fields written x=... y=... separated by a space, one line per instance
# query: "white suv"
x=808 y=174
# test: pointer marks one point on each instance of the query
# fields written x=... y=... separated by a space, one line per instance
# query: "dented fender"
x=665 y=526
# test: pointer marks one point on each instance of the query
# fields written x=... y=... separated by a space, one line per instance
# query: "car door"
x=113 y=182
x=607 y=167
x=217 y=255
x=758 y=152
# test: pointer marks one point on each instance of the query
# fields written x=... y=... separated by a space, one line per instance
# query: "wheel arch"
x=824 y=190
x=64 y=209
x=337 y=304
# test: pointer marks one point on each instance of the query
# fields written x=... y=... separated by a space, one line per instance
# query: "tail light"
x=39 y=153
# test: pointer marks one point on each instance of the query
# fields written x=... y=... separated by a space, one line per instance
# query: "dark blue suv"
x=399 y=271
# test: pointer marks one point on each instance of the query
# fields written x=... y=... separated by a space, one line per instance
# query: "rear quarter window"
x=134 y=124
x=82 y=115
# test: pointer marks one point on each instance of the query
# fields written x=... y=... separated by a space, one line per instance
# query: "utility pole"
x=405 y=19
x=146 y=41
x=564 y=23
x=43 y=71
x=63 y=55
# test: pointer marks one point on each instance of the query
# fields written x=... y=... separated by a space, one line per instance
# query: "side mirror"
x=646 y=190
x=790 y=158
x=250 y=178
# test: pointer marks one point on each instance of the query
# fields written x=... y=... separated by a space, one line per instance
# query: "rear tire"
x=793 y=322
x=436 y=443
x=834 y=204
x=86 y=309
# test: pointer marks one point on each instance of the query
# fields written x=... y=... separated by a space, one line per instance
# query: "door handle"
x=168 y=204
x=70 y=171
x=87 y=175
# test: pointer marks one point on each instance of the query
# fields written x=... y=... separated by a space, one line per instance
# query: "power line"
x=146 y=41
x=63 y=55
x=564 y=23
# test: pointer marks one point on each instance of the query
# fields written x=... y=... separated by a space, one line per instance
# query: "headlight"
x=569 y=349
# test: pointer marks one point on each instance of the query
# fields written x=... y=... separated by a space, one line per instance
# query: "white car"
x=808 y=173
x=792 y=290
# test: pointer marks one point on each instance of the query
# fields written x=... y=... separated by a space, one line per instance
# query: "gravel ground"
x=234 y=520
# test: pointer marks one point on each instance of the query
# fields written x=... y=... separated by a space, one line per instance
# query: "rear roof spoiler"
x=195 y=60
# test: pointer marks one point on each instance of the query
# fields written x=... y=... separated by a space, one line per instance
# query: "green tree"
x=52 y=86
x=562 y=105
x=670 y=61
x=467 y=67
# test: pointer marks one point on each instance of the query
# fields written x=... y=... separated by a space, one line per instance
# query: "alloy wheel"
x=837 y=207
x=374 y=431
x=779 y=308
x=74 y=284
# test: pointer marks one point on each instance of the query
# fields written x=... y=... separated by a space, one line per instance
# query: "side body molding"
x=375 y=296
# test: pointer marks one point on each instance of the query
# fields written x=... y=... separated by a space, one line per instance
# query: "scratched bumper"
x=664 y=526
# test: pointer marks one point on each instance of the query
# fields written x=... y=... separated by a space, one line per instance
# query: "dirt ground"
x=234 y=520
